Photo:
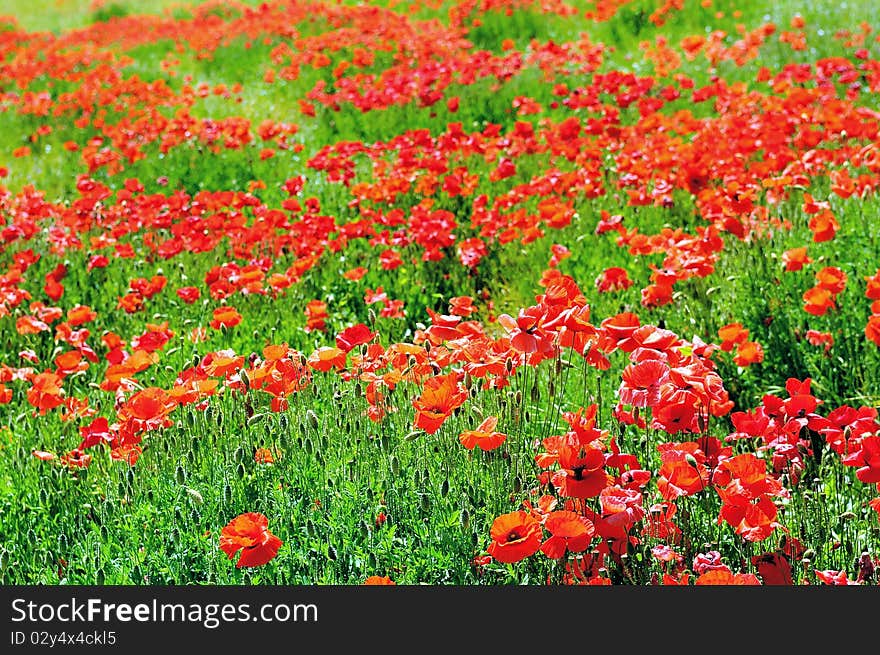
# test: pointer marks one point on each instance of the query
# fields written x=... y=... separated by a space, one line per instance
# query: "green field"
x=569 y=173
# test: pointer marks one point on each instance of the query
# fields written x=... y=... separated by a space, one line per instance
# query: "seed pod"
x=535 y=393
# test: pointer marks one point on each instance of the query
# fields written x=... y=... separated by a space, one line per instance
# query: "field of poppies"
x=473 y=292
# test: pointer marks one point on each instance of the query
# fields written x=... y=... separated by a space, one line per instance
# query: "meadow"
x=445 y=292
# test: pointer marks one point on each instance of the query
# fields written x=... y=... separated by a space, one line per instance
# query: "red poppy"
x=354 y=336
x=379 y=580
x=773 y=568
x=249 y=533
x=748 y=353
x=569 y=532
x=515 y=536
x=264 y=456
x=726 y=577
x=484 y=436
x=795 y=259
x=613 y=279
x=441 y=395
x=225 y=317
x=355 y=274
x=189 y=294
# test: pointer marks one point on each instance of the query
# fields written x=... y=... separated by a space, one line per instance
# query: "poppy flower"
x=355 y=274
x=225 y=317
x=264 y=456
x=80 y=314
x=835 y=578
x=441 y=395
x=76 y=458
x=774 y=568
x=249 y=533
x=484 y=436
x=570 y=532
x=823 y=226
x=818 y=300
x=325 y=358
x=45 y=392
x=795 y=259
x=515 y=536
x=613 y=279
x=354 y=336
x=748 y=353
x=732 y=335
x=726 y=577
x=189 y=294
x=379 y=580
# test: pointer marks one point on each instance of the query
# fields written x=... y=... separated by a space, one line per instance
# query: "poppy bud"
x=691 y=460
x=412 y=436
x=847 y=516
x=464 y=519
x=331 y=553
x=245 y=381
x=195 y=495
x=180 y=475
x=194 y=516
x=240 y=470
x=551 y=388
x=310 y=447
x=426 y=503
x=256 y=418
x=444 y=489
x=535 y=394
x=395 y=465
x=227 y=494
x=99 y=577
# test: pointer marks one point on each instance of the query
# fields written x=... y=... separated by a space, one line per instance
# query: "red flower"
x=484 y=436
x=515 y=536
x=354 y=336
x=441 y=395
x=225 y=317
x=379 y=580
x=250 y=534
x=570 y=532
